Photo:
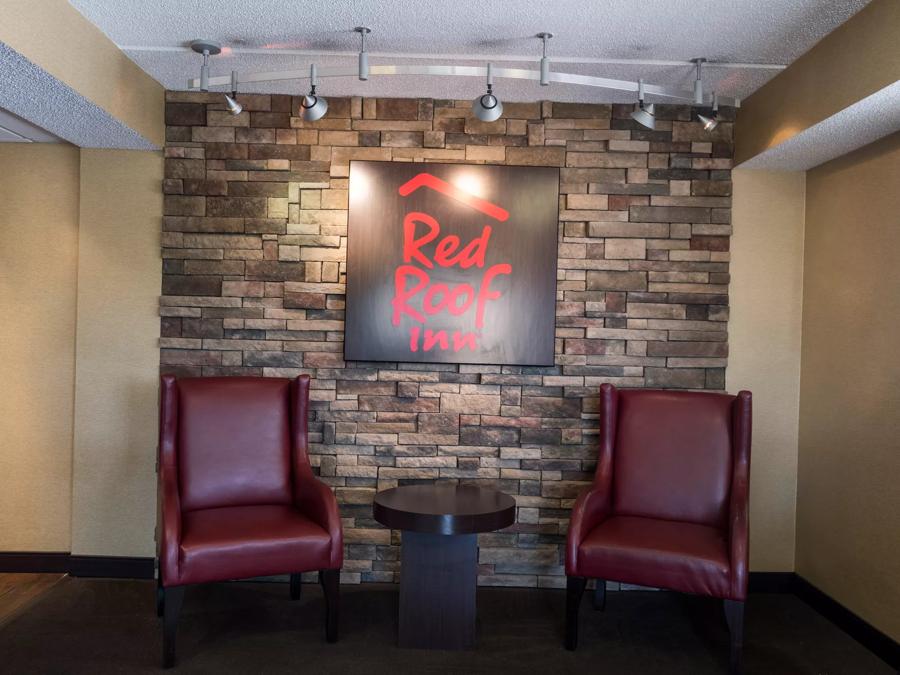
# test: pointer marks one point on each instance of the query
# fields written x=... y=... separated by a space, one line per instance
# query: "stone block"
x=185 y=114
x=634 y=249
x=177 y=205
x=546 y=406
x=486 y=404
x=238 y=207
x=536 y=156
x=185 y=168
x=675 y=378
x=402 y=139
x=191 y=284
x=581 y=110
x=396 y=109
x=616 y=281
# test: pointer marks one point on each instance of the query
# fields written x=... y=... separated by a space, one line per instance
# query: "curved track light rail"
x=467 y=71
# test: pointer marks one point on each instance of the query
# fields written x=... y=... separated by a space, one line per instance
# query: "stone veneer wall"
x=254 y=244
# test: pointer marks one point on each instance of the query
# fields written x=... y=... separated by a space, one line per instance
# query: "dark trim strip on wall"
x=882 y=645
x=121 y=567
x=771 y=582
x=49 y=563
x=116 y=567
x=109 y=566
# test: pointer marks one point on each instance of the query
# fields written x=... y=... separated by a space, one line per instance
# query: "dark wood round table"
x=439 y=557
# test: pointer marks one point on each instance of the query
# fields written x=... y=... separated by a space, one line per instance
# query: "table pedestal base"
x=438 y=576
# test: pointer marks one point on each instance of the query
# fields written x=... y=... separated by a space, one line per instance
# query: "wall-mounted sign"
x=451 y=263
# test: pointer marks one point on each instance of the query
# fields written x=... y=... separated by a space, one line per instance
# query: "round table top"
x=444 y=509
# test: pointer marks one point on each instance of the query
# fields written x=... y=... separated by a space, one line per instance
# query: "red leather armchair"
x=237 y=495
x=668 y=505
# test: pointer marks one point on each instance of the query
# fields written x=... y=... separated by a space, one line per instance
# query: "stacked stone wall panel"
x=254 y=248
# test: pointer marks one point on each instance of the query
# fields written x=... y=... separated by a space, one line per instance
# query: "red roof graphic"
x=435 y=183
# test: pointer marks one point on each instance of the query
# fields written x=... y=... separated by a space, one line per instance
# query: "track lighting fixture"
x=207 y=48
x=545 y=62
x=231 y=103
x=711 y=122
x=698 y=83
x=643 y=114
x=488 y=107
x=363 y=54
x=313 y=107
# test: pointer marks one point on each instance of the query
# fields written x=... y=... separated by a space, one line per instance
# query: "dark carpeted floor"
x=110 y=626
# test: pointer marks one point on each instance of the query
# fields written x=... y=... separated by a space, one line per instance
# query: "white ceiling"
x=32 y=94
x=265 y=35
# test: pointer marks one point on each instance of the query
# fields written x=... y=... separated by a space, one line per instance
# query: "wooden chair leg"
x=734 y=616
x=160 y=597
x=295 y=587
x=600 y=595
x=574 y=590
x=330 y=580
x=172 y=599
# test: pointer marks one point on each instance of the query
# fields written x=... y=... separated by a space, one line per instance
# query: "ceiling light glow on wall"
x=231 y=103
x=207 y=48
x=545 y=62
x=488 y=107
x=643 y=114
x=363 y=54
x=712 y=121
x=313 y=107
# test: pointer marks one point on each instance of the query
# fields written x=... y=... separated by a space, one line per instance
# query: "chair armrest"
x=169 y=499
x=170 y=526
x=316 y=500
x=590 y=509
x=738 y=518
x=739 y=550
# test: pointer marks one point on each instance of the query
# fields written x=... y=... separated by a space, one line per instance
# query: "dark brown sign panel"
x=451 y=263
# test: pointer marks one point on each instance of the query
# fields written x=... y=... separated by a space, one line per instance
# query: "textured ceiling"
x=34 y=95
x=154 y=34
x=857 y=125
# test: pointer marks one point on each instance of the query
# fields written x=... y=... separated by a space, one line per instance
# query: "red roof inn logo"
x=451 y=263
x=411 y=280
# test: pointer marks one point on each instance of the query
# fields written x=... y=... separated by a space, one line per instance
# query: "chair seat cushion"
x=679 y=556
x=237 y=542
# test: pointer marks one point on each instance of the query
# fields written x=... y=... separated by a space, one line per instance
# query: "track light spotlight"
x=698 y=83
x=231 y=103
x=711 y=122
x=313 y=107
x=363 y=54
x=643 y=114
x=207 y=48
x=488 y=107
x=545 y=62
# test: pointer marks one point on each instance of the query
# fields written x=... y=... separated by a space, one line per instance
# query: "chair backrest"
x=673 y=455
x=234 y=444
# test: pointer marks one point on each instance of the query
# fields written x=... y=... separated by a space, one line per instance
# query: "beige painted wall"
x=854 y=61
x=848 y=507
x=764 y=349
x=38 y=254
x=119 y=279
x=55 y=36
